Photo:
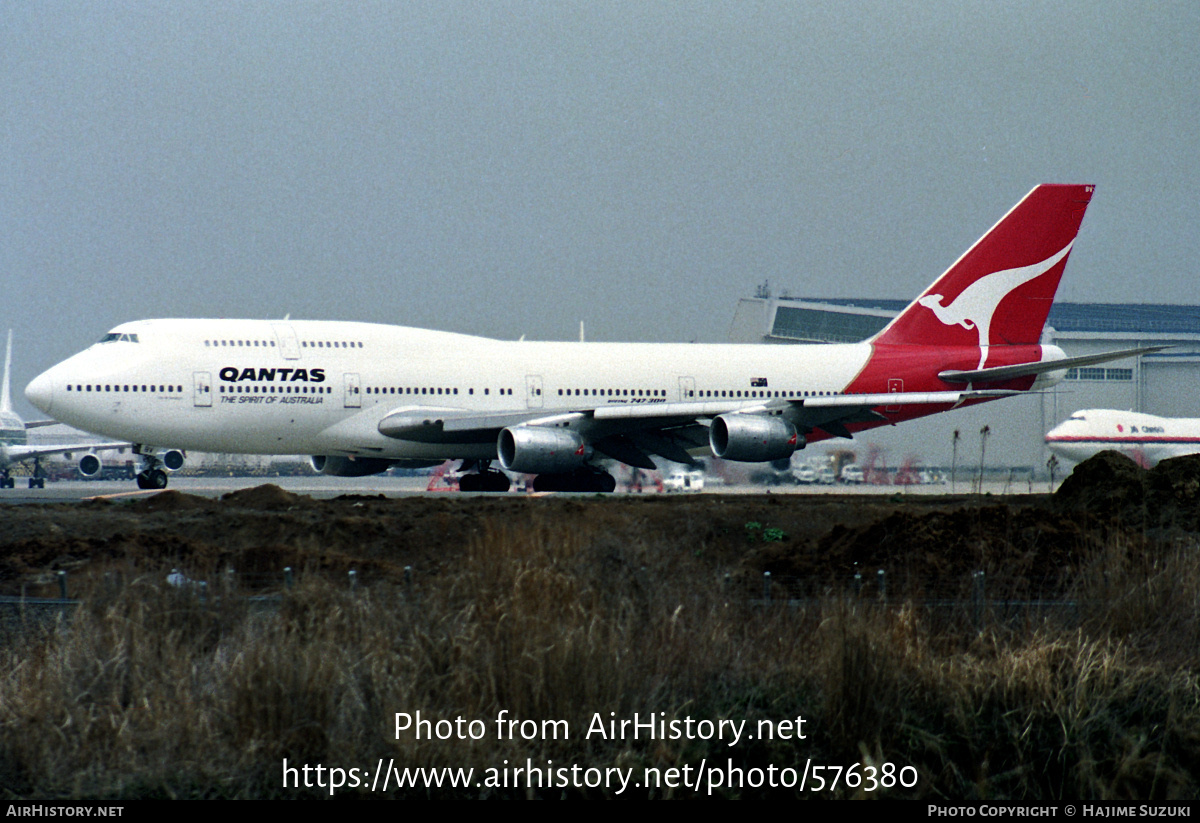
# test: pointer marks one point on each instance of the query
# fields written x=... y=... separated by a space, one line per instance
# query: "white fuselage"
x=322 y=387
x=1143 y=437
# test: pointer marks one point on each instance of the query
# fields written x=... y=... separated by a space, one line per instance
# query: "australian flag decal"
x=758 y=382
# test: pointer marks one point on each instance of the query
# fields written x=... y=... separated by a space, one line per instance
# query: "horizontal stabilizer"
x=924 y=398
x=998 y=373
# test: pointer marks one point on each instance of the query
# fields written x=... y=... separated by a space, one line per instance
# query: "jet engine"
x=172 y=459
x=753 y=438
x=90 y=465
x=350 y=466
x=535 y=450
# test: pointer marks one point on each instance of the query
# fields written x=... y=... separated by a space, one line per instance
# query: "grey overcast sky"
x=509 y=168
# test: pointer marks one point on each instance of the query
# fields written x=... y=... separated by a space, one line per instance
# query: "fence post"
x=767 y=586
x=62 y=584
x=977 y=588
x=287 y=576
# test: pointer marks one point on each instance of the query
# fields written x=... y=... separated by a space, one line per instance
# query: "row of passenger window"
x=307 y=344
x=762 y=394
x=691 y=393
x=248 y=343
x=112 y=388
x=427 y=390
x=612 y=392
x=706 y=393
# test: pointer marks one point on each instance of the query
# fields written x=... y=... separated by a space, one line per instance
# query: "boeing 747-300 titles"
x=362 y=397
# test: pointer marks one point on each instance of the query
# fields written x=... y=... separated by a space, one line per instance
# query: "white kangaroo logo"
x=975 y=305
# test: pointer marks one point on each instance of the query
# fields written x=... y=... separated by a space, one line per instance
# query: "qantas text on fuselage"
x=362 y=397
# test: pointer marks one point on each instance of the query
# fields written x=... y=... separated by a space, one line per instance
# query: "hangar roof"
x=797 y=314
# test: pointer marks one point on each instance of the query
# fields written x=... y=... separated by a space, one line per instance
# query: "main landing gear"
x=583 y=479
x=487 y=479
x=484 y=480
x=152 y=479
x=36 y=480
x=152 y=475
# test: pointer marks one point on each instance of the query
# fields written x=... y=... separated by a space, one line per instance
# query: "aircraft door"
x=289 y=347
x=353 y=392
x=201 y=389
x=533 y=391
x=687 y=389
x=895 y=386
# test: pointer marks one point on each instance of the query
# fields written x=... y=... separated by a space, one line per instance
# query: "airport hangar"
x=1165 y=383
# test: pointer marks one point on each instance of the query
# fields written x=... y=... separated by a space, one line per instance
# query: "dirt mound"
x=1025 y=549
x=1108 y=483
x=171 y=501
x=269 y=497
x=1173 y=493
x=1111 y=485
x=927 y=545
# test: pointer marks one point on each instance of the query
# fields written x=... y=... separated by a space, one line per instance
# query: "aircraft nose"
x=40 y=392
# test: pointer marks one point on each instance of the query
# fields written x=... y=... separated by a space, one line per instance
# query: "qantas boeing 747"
x=363 y=397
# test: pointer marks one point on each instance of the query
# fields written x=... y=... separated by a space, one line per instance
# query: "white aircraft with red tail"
x=1145 y=438
x=363 y=397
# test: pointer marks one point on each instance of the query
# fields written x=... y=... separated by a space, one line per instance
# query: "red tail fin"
x=1000 y=291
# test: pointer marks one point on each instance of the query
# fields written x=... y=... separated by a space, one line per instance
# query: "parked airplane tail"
x=5 y=392
x=999 y=292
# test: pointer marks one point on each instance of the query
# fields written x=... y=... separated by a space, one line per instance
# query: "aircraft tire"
x=494 y=481
x=580 y=480
x=489 y=481
x=152 y=479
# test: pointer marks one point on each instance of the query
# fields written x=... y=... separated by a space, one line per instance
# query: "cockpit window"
x=113 y=337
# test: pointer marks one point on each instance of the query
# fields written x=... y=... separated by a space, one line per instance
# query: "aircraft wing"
x=16 y=454
x=632 y=432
